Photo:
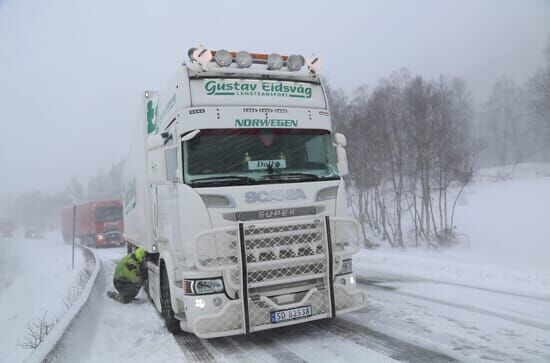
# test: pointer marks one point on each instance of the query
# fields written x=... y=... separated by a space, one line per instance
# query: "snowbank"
x=517 y=171
x=506 y=219
x=451 y=268
x=35 y=278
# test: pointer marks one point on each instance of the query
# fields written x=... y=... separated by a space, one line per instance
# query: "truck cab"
x=234 y=187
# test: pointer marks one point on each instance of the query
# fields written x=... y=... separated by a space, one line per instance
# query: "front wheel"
x=172 y=324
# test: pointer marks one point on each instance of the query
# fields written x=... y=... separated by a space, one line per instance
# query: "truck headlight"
x=203 y=286
x=100 y=237
x=346 y=267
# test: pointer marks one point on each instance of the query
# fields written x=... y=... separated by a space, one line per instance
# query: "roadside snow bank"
x=506 y=220
x=53 y=342
x=35 y=278
x=518 y=171
x=450 y=268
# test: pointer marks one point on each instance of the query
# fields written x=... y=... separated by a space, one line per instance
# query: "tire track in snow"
x=398 y=278
x=193 y=348
x=263 y=340
x=374 y=340
x=470 y=308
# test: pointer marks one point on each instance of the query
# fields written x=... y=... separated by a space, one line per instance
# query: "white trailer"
x=233 y=185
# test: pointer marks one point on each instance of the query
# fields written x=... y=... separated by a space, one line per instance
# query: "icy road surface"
x=490 y=302
x=408 y=319
x=109 y=331
x=468 y=323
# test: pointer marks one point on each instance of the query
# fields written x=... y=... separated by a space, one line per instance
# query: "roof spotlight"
x=295 y=62
x=243 y=59
x=274 y=61
x=223 y=58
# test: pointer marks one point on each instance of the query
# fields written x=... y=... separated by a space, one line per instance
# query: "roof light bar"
x=274 y=61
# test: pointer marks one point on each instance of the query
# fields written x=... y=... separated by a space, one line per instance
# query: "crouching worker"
x=130 y=274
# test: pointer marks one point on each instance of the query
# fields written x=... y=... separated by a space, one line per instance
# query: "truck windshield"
x=109 y=213
x=255 y=156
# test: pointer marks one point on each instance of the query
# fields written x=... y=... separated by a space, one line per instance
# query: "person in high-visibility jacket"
x=130 y=274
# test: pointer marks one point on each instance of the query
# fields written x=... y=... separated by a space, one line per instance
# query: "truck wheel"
x=172 y=324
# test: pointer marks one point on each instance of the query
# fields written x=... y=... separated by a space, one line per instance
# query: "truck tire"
x=172 y=324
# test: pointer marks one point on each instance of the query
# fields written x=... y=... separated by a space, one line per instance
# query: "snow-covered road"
x=468 y=323
x=109 y=331
x=488 y=302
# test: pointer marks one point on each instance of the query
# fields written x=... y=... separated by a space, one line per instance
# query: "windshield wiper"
x=309 y=176
x=227 y=178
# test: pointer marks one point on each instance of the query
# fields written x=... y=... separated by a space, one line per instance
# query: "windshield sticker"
x=258 y=122
x=267 y=164
x=258 y=88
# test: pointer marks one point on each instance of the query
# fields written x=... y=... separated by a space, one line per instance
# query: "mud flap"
x=153 y=279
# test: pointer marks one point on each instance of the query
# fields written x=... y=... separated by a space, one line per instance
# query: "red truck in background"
x=98 y=223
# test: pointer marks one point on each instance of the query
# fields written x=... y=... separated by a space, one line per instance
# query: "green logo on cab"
x=258 y=88
x=258 y=122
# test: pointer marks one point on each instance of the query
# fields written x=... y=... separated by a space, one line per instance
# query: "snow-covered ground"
x=490 y=300
x=505 y=215
x=35 y=278
x=109 y=331
x=483 y=302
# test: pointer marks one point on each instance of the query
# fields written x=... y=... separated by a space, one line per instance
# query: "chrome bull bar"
x=256 y=257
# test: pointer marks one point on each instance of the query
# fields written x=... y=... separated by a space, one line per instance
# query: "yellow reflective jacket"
x=130 y=269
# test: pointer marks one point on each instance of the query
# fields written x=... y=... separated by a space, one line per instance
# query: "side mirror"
x=156 y=166
x=340 y=139
x=342 y=159
x=154 y=142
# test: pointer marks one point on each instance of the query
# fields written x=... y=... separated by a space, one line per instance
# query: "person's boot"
x=117 y=297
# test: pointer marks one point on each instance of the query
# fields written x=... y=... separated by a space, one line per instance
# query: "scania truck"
x=233 y=186
x=98 y=223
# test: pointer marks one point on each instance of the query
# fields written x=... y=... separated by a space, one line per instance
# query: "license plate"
x=291 y=314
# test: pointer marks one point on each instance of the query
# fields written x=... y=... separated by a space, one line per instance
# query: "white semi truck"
x=233 y=185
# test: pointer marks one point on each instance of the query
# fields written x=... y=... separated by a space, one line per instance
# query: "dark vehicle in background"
x=35 y=233
x=6 y=227
x=98 y=223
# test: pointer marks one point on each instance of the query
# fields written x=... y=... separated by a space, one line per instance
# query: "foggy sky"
x=71 y=74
